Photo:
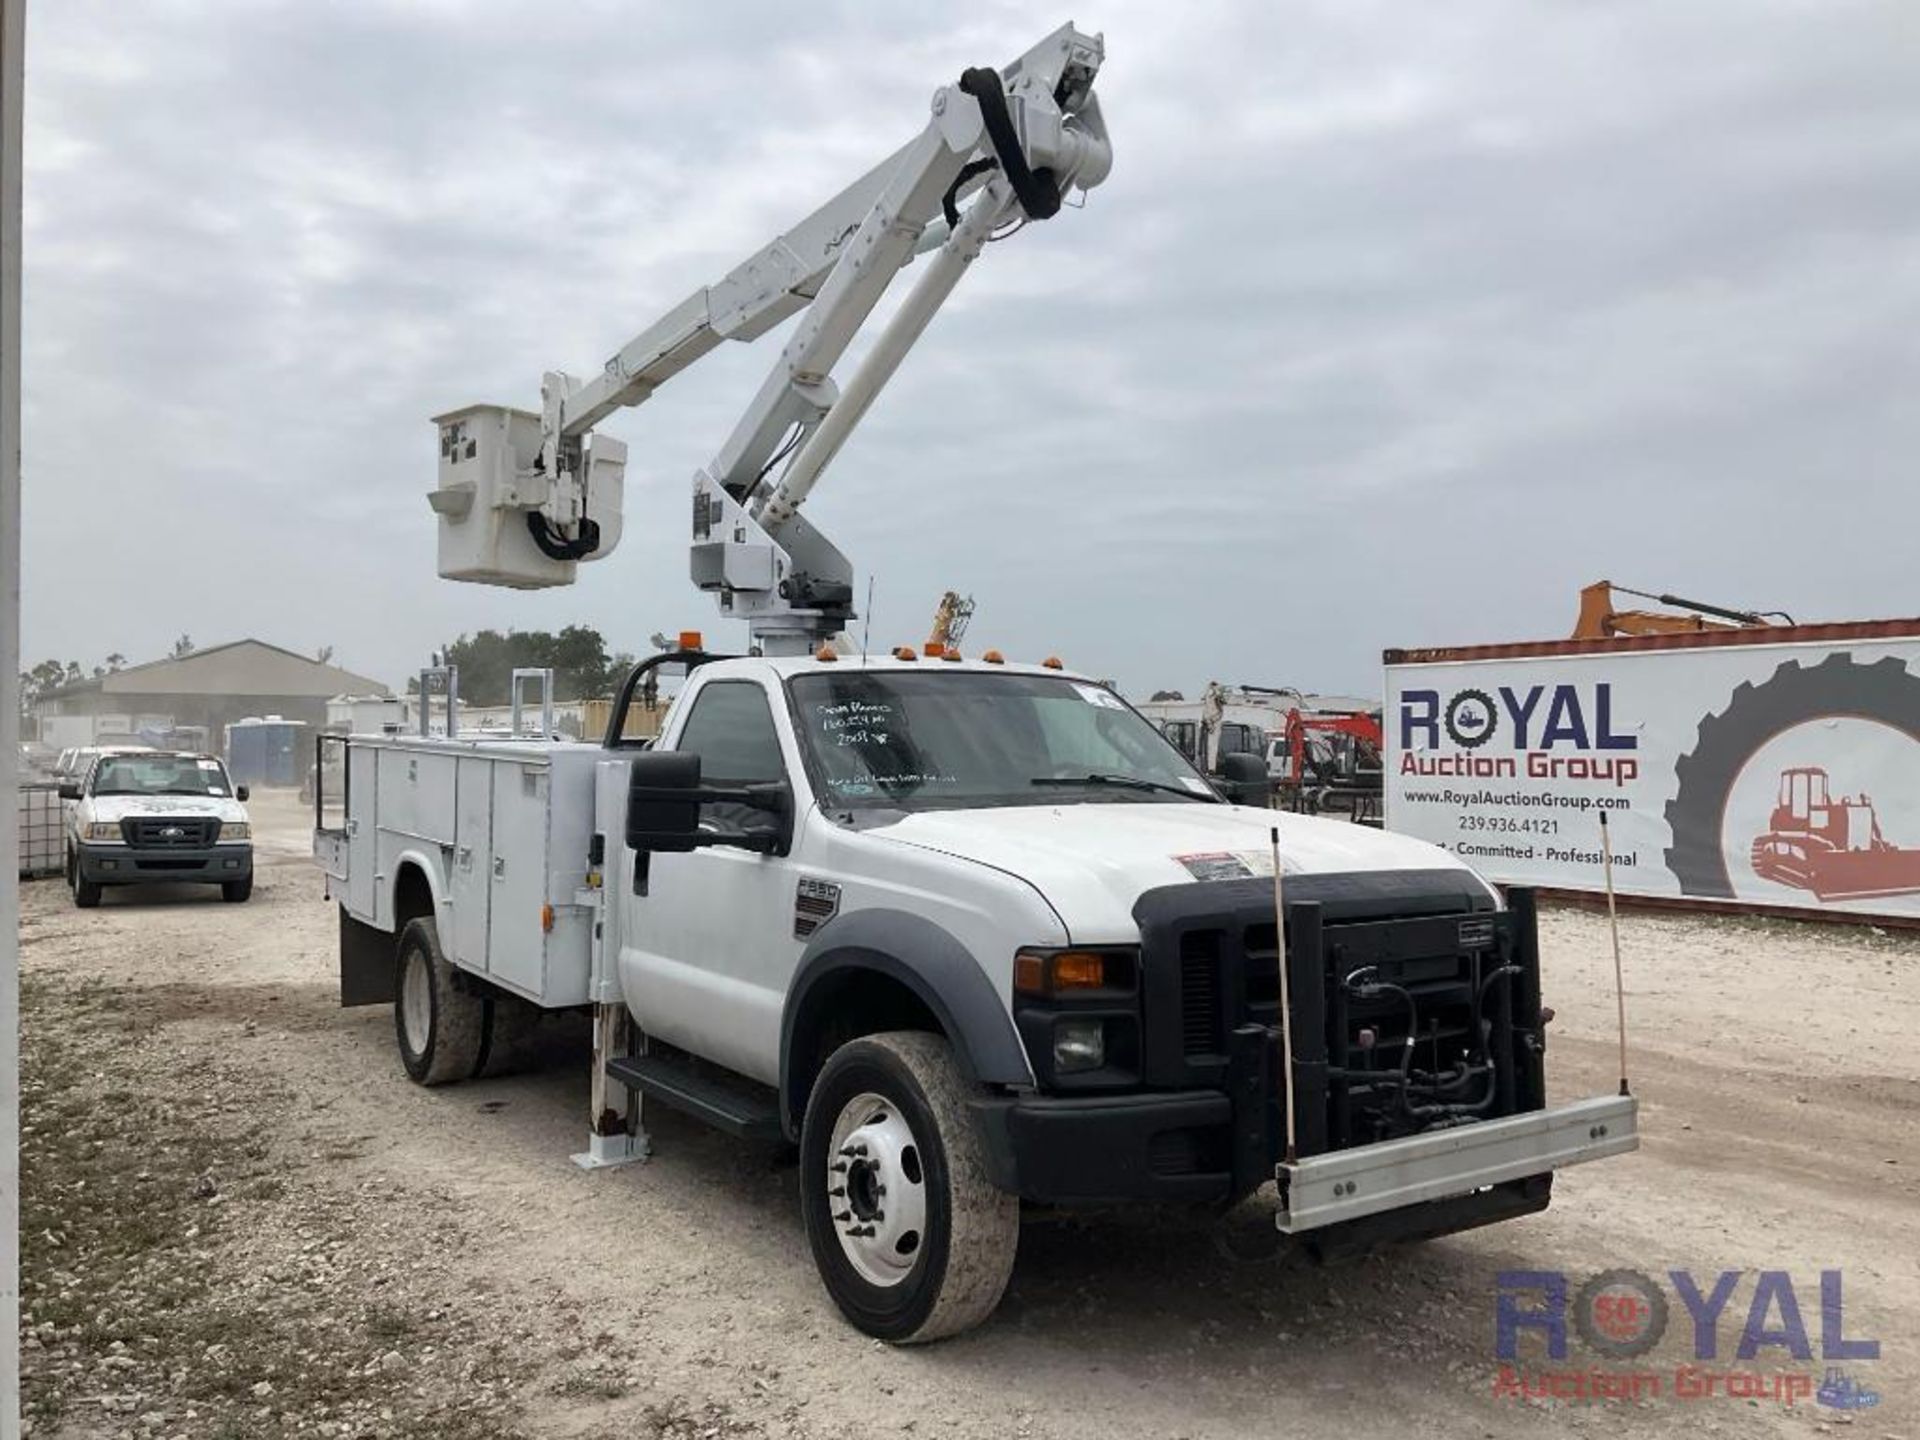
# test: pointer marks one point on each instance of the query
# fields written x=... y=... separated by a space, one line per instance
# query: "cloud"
x=1393 y=326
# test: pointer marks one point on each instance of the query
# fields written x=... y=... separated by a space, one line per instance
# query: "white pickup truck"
x=970 y=933
x=147 y=817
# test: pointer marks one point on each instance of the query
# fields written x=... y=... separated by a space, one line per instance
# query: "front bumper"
x=1101 y=1149
x=132 y=865
x=1179 y=1148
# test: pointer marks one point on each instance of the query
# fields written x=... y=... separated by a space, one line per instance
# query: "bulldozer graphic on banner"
x=1830 y=846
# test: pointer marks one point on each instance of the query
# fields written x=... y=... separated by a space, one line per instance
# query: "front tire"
x=438 y=1024
x=912 y=1240
x=236 y=892
x=86 y=893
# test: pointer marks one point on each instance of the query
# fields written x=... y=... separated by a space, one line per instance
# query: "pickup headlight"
x=236 y=830
x=1079 y=1045
x=98 y=830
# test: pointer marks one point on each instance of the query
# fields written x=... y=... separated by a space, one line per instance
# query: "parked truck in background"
x=968 y=932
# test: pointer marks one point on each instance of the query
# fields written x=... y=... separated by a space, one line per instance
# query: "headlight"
x=236 y=830
x=103 y=830
x=1079 y=1045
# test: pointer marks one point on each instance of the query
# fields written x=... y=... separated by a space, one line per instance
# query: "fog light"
x=109 y=864
x=1078 y=1045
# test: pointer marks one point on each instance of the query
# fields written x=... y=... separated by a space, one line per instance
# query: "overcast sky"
x=1394 y=325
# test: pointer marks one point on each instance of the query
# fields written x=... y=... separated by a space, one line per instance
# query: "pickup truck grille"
x=165 y=832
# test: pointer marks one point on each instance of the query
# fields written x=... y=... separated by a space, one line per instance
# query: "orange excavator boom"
x=1600 y=618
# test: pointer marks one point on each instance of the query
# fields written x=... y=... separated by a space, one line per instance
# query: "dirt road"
x=241 y=1220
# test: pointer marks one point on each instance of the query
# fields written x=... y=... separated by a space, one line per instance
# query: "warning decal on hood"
x=1226 y=864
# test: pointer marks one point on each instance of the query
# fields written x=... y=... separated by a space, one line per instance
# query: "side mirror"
x=664 y=796
x=663 y=801
x=1244 y=778
x=240 y=793
x=69 y=791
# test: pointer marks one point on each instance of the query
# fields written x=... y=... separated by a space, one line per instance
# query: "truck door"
x=708 y=952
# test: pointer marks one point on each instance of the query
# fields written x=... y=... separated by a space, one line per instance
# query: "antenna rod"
x=1613 y=924
x=1286 y=1005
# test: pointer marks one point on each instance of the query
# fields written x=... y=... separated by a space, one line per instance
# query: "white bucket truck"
x=966 y=932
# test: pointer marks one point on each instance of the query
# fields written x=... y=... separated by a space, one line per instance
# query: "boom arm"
x=1005 y=145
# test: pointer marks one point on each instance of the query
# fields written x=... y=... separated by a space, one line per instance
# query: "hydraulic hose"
x=1036 y=190
x=555 y=547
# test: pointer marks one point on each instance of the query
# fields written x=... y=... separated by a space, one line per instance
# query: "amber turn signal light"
x=1061 y=972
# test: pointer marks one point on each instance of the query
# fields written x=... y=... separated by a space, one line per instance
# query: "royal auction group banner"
x=1782 y=773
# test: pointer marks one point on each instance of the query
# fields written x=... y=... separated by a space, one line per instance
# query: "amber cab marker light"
x=952 y=652
x=905 y=652
x=689 y=639
x=825 y=654
x=546 y=919
x=994 y=657
x=1052 y=662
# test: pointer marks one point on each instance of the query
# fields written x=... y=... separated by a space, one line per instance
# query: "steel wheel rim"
x=876 y=1190
x=416 y=1002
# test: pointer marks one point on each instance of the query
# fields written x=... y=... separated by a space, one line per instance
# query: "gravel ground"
x=241 y=1220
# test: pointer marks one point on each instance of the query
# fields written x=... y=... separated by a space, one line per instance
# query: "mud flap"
x=366 y=963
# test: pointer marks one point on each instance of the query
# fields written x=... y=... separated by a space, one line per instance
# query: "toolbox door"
x=516 y=948
x=469 y=885
x=362 y=827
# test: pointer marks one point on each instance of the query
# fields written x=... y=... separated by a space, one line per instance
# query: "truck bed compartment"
x=502 y=831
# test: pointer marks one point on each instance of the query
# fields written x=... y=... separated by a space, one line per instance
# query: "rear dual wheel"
x=912 y=1239
x=439 y=1023
x=449 y=1027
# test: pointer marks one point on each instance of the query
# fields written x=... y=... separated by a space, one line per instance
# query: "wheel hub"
x=876 y=1189
x=416 y=1001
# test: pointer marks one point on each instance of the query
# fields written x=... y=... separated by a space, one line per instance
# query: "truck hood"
x=1092 y=861
x=107 y=808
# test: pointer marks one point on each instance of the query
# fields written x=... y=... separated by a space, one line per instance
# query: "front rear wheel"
x=913 y=1241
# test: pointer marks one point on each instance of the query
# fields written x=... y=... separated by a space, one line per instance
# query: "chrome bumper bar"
x=1368 y=1179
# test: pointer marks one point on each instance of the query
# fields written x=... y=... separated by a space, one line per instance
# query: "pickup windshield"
x=966 y=738
x=160 y=775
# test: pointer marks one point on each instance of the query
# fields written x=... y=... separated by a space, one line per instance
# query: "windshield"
x=967 y=738
x=160 y=775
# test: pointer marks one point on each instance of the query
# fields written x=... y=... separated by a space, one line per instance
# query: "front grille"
x=1200 y=1013
x=162 y=832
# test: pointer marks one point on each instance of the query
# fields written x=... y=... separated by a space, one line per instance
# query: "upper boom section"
x=523 y=497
